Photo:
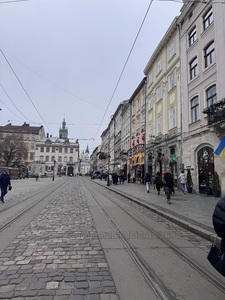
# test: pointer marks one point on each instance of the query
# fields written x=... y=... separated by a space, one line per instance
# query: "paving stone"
x=82 y=285
x=8 y=295
x=25 y=293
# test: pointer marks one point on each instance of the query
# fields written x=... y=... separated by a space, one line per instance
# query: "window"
x=211 y=95
x=171 y=81
x=133 y=109
x=159 y=124
x=71 y=150
x=52 y=158
x=32 y=146
x=60 y=149
x=47 y=159
x=150 y=103
x=192 y=36
x=210 y=55
x=143 y=99
x=193 y=68
x=60 y=159
x=47 y=149
x=31 y=156
x=150 y=79
x=65 y=150
x=171 y=50
x=70 y=159
x=159 y=92
x=139 y=103
x=208 y=19
x=65 y=159
x=53 y=149
x=150 y=131
x=42 y=149
x=194 y=109
x=173 y=117
x=159 y=66
x=41 y=159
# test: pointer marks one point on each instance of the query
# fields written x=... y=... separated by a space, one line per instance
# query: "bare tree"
x=13 y=150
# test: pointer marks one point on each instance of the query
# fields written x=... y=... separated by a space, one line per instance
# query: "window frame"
x=211 y=99
x=209 y=54
x=194 y=109
x=207 y=18
x=193 y=65
x=192 y=36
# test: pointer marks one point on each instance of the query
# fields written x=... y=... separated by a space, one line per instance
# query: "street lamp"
x=53 y=174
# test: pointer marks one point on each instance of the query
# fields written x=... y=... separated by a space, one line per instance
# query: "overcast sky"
x=64 y=58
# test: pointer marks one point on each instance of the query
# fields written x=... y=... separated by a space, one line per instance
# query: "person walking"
x=147 y=181
x=5 y=183
x=183 y=179
x=158 y=182
x=219 y=221
x=169 y=183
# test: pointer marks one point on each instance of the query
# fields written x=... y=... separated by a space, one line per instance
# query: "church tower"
x=63 y=131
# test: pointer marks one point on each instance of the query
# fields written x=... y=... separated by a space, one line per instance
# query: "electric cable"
x=24 y=89
x=121 y=74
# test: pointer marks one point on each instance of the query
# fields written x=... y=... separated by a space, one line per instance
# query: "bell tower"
x=63 y=131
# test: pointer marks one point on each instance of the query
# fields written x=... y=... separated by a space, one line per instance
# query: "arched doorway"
x=70 y=171
x=205 y=169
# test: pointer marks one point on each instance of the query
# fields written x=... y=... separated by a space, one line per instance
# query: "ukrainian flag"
x=220 y=150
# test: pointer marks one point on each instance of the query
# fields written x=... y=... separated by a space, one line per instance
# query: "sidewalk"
x=192 y=211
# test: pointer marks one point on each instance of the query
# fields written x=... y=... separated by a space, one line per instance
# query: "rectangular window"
x=150 y=103
x=171 y=50
x=71 y=160
x=159 y=66
x=208 y=19
x=47 y=159
x=192 y=36
x=71 y=150
x=159 y=124
x=139 y=104
x=47 y=149
x=143 y=99
x=173 y=117
x=159 y=92
x=53 y=149
x=171 y=81
x=150 y=131
x=60 y=149
x=65 y=150
x=42 y=149
x=194 y=109
x=150 y=78
x=31 y=156
x=52 y=158
x=193 y=68
x=210 y=55
x=211 y=97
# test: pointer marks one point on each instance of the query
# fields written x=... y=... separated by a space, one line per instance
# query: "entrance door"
x=205 y=170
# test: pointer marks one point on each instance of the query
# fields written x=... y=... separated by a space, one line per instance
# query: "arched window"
x=211 y=96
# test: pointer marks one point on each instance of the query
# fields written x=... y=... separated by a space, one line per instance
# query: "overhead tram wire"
x=121 y=74
x=13 y=103
x=6 y=2
x=24 y=89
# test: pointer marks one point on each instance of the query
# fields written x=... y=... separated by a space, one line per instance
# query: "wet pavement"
x=58 y=255
x=191 y=210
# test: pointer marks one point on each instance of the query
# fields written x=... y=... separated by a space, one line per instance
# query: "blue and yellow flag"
x=220 y=150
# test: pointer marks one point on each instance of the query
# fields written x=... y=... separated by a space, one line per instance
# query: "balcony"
x=215 y=112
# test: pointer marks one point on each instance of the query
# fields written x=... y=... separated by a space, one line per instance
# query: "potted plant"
x=189 y=182
x=216 y=189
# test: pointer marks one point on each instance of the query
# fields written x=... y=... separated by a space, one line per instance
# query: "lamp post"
x=53 y=174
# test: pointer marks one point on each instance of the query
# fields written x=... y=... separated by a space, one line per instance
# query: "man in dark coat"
x=4 y=184
x=169 y=183
x=219 y=221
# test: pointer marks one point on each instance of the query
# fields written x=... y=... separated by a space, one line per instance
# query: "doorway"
x=205 y=170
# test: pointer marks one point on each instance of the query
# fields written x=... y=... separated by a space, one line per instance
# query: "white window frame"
x=159 y=66
x=159 y=125
x=159 y=92
x=172 y=117
x=150 y=103
x=172 y=83
x=150 y=78
x=171 y=50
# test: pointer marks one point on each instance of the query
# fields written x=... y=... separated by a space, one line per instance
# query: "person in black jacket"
x=169 y=183
x=219 y=221
x=158 y=182
x=4 y=184
x=147 y=181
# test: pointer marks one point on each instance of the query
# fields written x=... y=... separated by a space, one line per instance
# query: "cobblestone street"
x=58 y=255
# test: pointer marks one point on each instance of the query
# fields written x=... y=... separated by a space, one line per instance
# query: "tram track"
x=50 y=189
x=143 y=265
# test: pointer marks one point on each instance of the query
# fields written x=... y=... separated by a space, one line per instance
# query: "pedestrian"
x=110 y=179
x=147 y=181
x=183 y=179
x=5 y=183
x=169 y=184
x=128 y=177
x=219 y=221
x=158 y=182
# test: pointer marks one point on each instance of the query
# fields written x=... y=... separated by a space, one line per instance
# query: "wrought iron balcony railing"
x=215 y=112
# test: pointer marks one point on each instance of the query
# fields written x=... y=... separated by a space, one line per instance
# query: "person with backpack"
x=169 y=184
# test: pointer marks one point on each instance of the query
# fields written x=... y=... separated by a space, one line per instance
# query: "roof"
x=55 y=140
x=25 y=128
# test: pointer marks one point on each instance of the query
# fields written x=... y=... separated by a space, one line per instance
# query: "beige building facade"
x=163 y=117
